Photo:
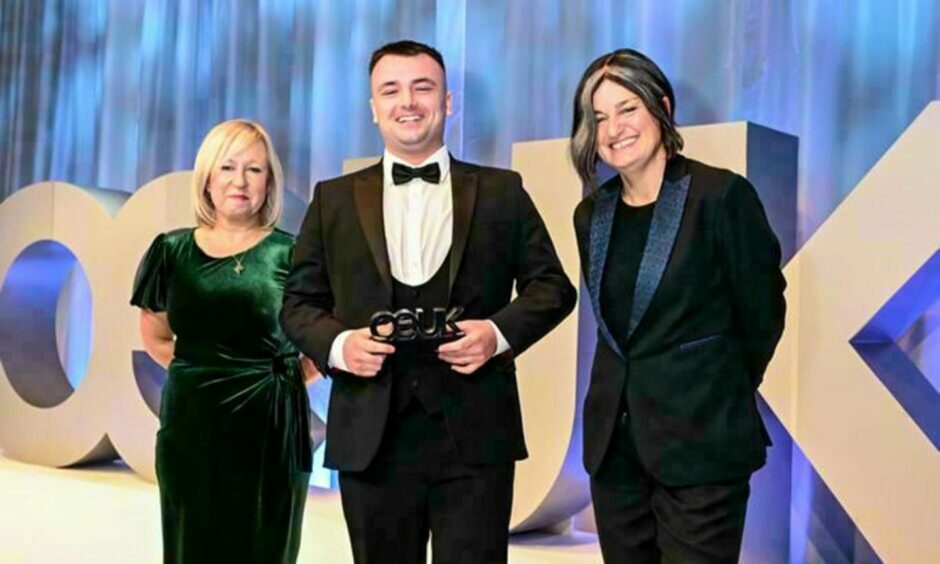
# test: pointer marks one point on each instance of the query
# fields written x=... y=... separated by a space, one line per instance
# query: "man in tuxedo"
x=425 y=439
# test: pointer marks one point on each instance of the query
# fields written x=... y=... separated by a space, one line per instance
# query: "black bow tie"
x=429 y=173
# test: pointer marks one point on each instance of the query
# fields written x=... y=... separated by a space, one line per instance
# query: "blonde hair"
x=229 y=137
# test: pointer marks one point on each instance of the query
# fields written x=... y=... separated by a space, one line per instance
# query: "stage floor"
x=105 y=514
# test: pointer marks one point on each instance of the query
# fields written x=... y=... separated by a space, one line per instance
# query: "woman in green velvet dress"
x=233 y=450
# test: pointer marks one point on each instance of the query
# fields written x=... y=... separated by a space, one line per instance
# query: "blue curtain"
x=113 y=93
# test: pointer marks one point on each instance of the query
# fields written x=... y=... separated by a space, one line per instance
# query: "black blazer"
x=341 y=276
x=707 y=313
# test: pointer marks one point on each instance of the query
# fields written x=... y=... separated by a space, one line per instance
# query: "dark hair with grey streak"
x=638 y=74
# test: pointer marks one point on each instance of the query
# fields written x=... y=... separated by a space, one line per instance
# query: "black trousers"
x=640 y=520
x=417 y=485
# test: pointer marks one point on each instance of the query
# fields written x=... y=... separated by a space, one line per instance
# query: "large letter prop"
x=870 y=427
x=41 y=420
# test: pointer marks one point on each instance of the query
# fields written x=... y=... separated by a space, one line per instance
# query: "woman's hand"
x=310 y=372
x=157 y=336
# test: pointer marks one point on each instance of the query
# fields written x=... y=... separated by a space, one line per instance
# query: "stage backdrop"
x=114 y=94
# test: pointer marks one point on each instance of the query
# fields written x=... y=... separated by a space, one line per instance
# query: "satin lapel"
x=667 y=216
x=601 y=224
x=463 y=186
x=367 y=192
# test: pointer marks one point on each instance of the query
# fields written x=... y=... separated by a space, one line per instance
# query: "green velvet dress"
x=233 y=450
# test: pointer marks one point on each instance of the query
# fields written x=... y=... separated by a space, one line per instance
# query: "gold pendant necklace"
x=239 y=265
x=240 y=258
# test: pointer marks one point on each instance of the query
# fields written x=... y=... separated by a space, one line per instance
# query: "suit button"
x=414 y=384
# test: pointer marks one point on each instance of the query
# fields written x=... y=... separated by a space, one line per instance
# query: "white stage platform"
x=106 y=514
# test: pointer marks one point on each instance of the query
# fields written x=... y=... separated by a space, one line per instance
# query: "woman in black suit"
x=684 y=276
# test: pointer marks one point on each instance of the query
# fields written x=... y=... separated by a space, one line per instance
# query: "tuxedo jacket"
x=341 y=276
x=707 y=312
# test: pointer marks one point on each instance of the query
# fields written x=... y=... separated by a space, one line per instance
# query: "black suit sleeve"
x=545 y=295
x=750 y=256
x=307 y=312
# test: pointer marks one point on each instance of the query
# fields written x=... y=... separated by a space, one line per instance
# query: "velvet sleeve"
x=150 y=282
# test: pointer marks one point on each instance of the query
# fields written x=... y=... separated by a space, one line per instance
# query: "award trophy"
x=418 y=329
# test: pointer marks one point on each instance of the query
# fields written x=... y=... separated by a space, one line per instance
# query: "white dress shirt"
x=419 y=230
x=419 y=220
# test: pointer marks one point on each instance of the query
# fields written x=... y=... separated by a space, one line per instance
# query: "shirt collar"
x=441 y=157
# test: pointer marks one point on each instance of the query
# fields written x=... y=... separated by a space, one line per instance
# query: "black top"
x=627 y=241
